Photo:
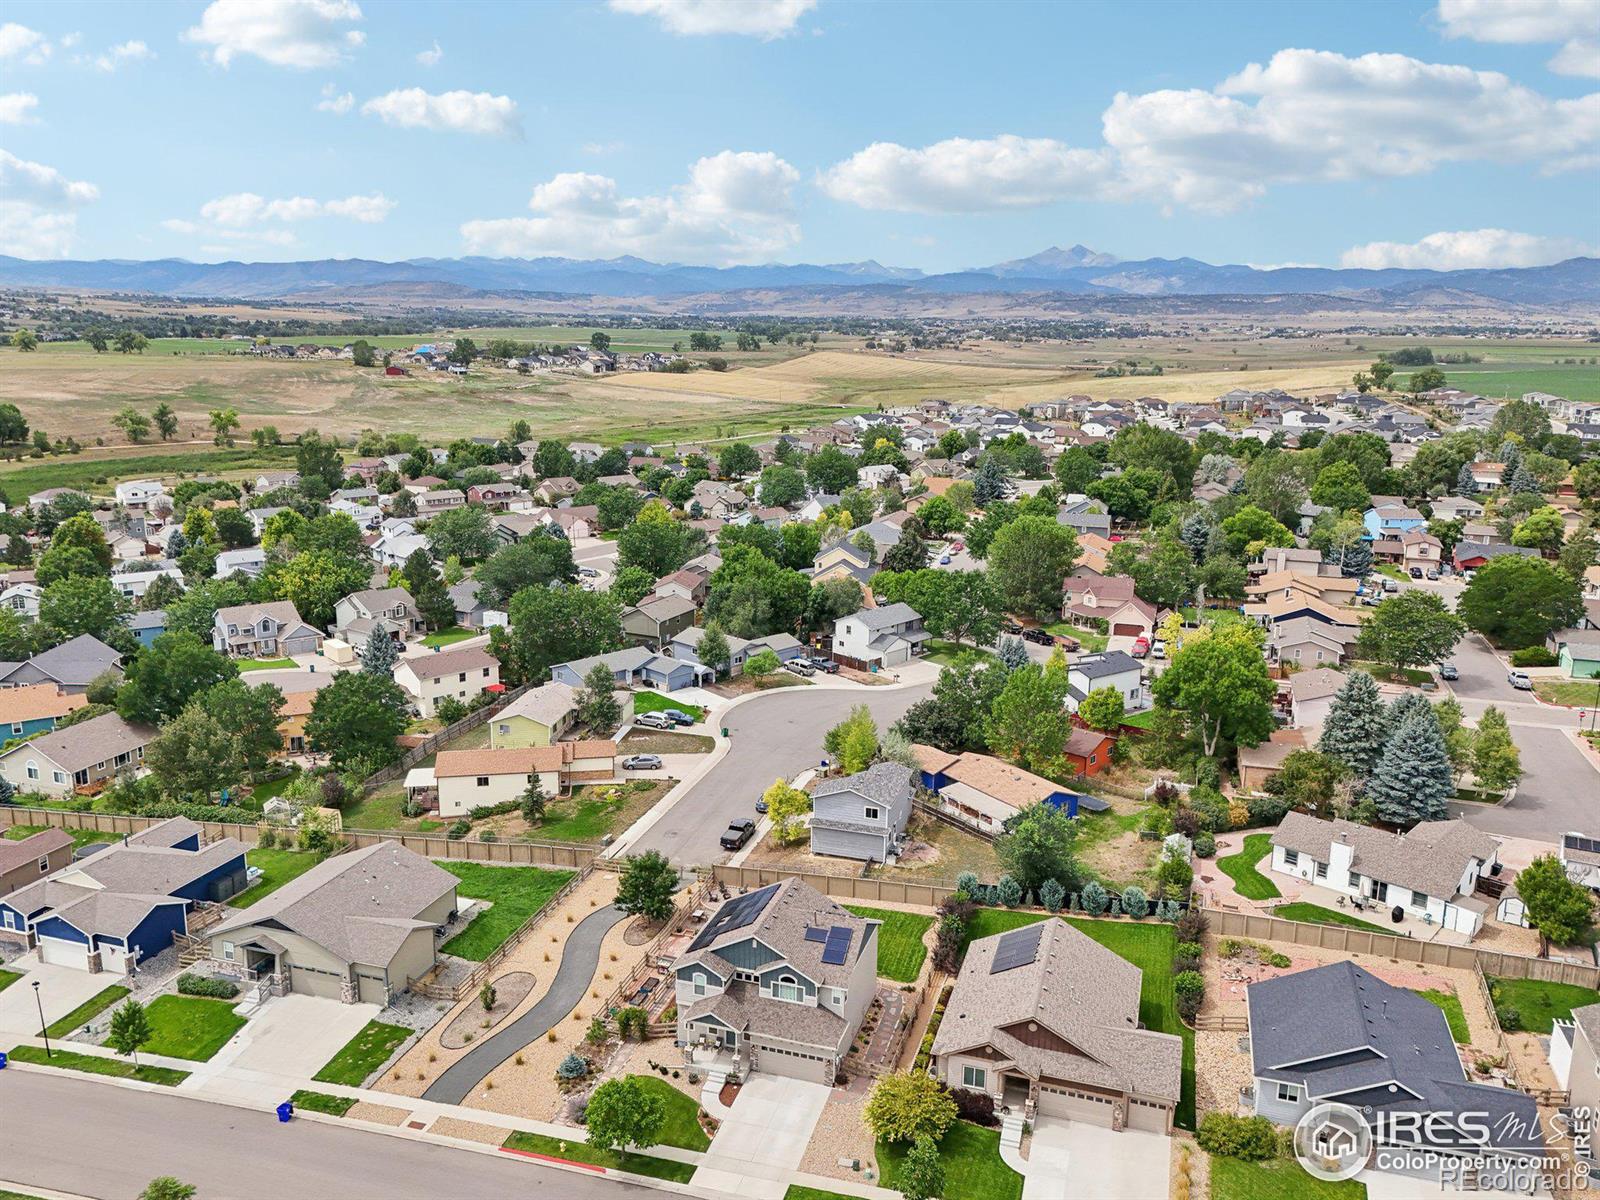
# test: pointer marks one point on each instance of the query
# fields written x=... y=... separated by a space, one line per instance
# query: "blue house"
x=34 y=709
x=147 y=626
x=637 y=665
x=1391 y=520
x=118 y=907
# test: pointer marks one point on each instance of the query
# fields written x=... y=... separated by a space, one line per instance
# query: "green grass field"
x=448 y=637
x=636 y=1164
x=87 y=1011
x=120 y=1068
x=264 y=664
x=644 y=702
x=587 y=816
x=1450 y=1004
x=99 y=473
x=973 y=1168
x=80 y=837
x=1574 y=693
x=1241 y=868
x=1146 y=945
x=1315 y=914
x=900 y=947
x=192 y=1027
x=1278 y=1179
x=797 y=1192
x=682 y=1126
x=7 y=978
x=278 y=867
x=514 y=895
x=334 y=1106
x=1513 y=380
x=363 y=1054
x=1541 y=1003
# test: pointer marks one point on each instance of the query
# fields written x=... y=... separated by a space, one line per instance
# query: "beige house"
x=460 y=674
x=1574 y=1061
x=470 y=779
x=1046 y=1020
x=78 y=756
x=32 y=858
x=1257 y=764
x=358 y=927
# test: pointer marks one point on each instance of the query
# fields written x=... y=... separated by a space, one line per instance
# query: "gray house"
x=390 y=609
x=1339 y=1033
x=636 y=665
x=1084 y=515
x=270 y=630
x=71 y=666
x=861 y=816
x=686 y=645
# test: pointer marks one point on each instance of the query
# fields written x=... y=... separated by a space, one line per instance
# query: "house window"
x=786 y=989
x=227 y=951
x=1288 y=1092
x=505 y=728
x=483 y=781
x=1094 y=758
x=58 y=776
x=871 y=812
x=16 y=728
x=33 y=769
x=1291 y=858
x=1355 y=881
x=1322 y=870
x=44 y=865
x=974 y=1077
x=699 y=984
x=1419 y=899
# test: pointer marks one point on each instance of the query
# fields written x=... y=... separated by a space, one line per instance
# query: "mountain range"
x=1077 y=271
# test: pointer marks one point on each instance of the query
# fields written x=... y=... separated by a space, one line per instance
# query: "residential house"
x=778 y=979
x=1276 y=609
x=272 y=629
x=1339 y=1034
x=556 y=489
x=1045 y=1020
x=79 y=756
x=685 y=645
x=1088 y=751
x=471 y=779
x=1113 y=669
x=132 y=584
x=249 y=561
x=146 y=625
x=72 y=666
x=1259 y=763
x=360 y=927
x=1084 y=515
x=842 y=560
x=1311 y=695
x=1391 y=520
x=432 y=503
x=1580 y=656
x=577 y=521
x=471 y=611
x=861 y=816
x=460 y=673
x=1488 y=474
x=22 y=600
x=540 y=716
x=1430 y=873
x=1575 y=1062
x=113 y=910
x=390 y=609
x=636 y=665
x=1290 y=558
x=138 y=495
x=1580 y=857
x=1420 y=550
x=393 y=547
x=1298 y=584
x=35 y=708
x=1469 y=556
x=1456 y=508
x=1090 y=598
x=271 y=481
x=30 y=859
x=494 y=495
x=1094 y=551
x=655 y=620
x=1307 y=641
x=983 y=791
x=880 y=637
x=685 y=584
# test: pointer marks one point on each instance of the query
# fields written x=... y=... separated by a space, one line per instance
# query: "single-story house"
x=1084 y=515
x=686 y=645
x=72 y=666
x=1261 y=762
x=538 y=717
x=29 y=859
x=358 y=927
x=1469 y=556
x=1580 y=657
x=90 y=752
x=983 y=791
x=1311 y=694
x=35 y=708
x=1088 y=751
x=471 y=779
x=249 y=561
x=471 y=611
x=861 y=816
x=460 y=673
x=146 y=625
x=1046 y=1019
x=636 y=665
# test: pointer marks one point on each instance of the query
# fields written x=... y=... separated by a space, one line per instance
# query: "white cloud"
x=735 y=207
x=335 y=101
x=765 y=19
x=69 y=40
x=600 y=149
x=18 y=41
x=454 y=112
x=37 y=217
x=369 y=210
x=430 y=58
x=16 y=108
x=1466 y=249
x=126 y=52
x=962 y=175
x=1575 y=23
x=286 y=33
x=246 y=208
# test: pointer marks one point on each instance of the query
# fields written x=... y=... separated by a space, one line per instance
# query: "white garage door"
x=62 y=953
x=315 y=983
x=1075 y=1105
x=794 y=1065
x=1144 y=1115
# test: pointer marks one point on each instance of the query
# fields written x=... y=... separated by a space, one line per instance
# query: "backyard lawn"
x=448 y=637
x=594 y=810
x=382 y=810
x=192 y=1027
x=900 y=946
x=1278 y=1179
x=973 y=1169
x=638 y=1164
x=1241 y=868
x=514 y=894
x=363 y=1054
x=80 y=837
x=1315 y=914
x=1453 y=1013
x=71 y=1060
x=682 y=1126
x=1140 y=720
x=262 y=792
x=87 y=1011
x=1148 y=946
x=644 y=702
x=278 y=867
x=1540 y=1003
x=264 y=664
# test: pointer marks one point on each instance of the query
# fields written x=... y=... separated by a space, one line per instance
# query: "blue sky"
x=1448 y=133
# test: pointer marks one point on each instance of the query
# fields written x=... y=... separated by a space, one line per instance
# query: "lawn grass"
x=80 y=837
x=514 y=895
x=797 y=1192
x=973 y=1168
x=264 y=664
x=260 y=793
x=637 y=1164
x=594 y=810
x=382 y=810
x=121 y=1068
x=192 y=1027
x=944 y=652
x=1241 y=868
x=1277 y=1179
x=1575 y=693
x=363 y=1054
x=1315 y=914
x=278 y=867
x=87 y=1011
x=99 y=473
x=682 y=1126
x=1540 y=1003
x=1450 y=1003
x=1148 y=946
x=1092 y=640
x=448 y=637
x=644 y=702
x=7 y=978
x=1140 y=720
x=900 y=947
x=334 y=1106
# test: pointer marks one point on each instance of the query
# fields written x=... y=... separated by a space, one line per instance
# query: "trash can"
x=285 y=1111
x=724 y=731
x=4 y=1058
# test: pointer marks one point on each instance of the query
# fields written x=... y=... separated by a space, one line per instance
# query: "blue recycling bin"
x=4 y=1059
x=285 y=1111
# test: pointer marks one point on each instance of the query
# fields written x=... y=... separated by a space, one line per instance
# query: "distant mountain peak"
x=1048 y=262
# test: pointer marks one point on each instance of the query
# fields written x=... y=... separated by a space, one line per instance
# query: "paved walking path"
x=578 y=961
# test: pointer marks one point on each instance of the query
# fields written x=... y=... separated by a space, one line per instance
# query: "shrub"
x=1207 y=774
x=947 y=944
x=1533 y=656
x=1252 y=1139
x=1186 y=821
x=1205 y=845
x=967 y=883
x=458 y=830
x=1008 y=892
x=1190 y=949
x=1212 y=808
x=977 y=1107
x=1190 y=989
x=1052 y=895
x=190 y=984
x=1509 y=1016
x=334 y=792
x=1268 y=809
x=1192 y=925
x=909 y=1105
x=1095 y=898
x=1134 y=902
x=1174 y=875
x=572 y=1067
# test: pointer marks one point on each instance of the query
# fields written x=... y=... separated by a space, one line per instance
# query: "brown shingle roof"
x=34 y=701
x=518 y=760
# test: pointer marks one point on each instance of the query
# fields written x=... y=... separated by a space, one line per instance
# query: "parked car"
x=642 y=762
x=1141 y=647
x=1010 y=627
x=1070 y=644
x=1432 y=573
x=1390 y=585
x=653 y=720
x=958 y=546
x=1158 y=650
x=1448 y=671
x=1372 y=601
x=1038 y=637
x=677 y=716
x=1520 y=681
x=588 y=572
x=944 y=560
x=824 y=664
x=800 y=666
x=761 y=807
x=737 y=834
x=1415 y=572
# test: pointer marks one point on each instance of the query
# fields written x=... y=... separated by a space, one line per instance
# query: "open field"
x=98 y=469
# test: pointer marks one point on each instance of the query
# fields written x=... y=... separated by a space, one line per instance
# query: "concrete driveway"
x=61 y=989
x=763 y=1139
x=1130 y=1165
x=288 y=1040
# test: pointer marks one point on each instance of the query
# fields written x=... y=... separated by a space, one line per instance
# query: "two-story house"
x=1113 y=669
x=137 y=495
x=862 y=816
x=57 y=763
x=460 y=673
x=1087 y=597
x=272 y=629
x=777 y=980
x=880 y=637
x=390 y=609
x=1084 y=515
x=1391 y=520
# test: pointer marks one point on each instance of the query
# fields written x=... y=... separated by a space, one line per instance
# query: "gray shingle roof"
x=782 y=925
x=77 y=662
x=888 y=616
x=887 y=782
x=1430 y=859
x=97 y=740
x=1098 y=666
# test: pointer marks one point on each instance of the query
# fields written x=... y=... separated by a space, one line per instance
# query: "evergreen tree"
x=1466 y=485
x=1195 y=533
x=1413 y=781
x=1496 y=763
x=1013 y=653
x=1522 y=481
x=1353 y=561
x=1357 y=725
x=1408 y=705
x=380 y=654
x=989 y=484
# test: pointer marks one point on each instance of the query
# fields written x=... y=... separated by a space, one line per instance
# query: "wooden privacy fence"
x=118 y=823
x=839 y=887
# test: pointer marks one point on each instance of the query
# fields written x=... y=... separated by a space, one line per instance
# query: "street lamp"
x=44 y=1030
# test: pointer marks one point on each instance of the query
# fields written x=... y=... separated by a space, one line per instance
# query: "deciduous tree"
x=1219 y=681
x=1028 y=560
x=1409 y=630
x=647 y=885
x=908 y=1105
x=1517 y=601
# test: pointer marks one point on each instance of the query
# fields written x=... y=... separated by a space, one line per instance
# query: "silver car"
x=642 y=762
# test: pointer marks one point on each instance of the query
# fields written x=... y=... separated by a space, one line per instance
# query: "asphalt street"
x=777 y=734
x=88 y=1139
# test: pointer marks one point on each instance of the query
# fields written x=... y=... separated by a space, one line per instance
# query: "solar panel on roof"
x=1019 y=948
x=813 y=934
x=735 y=914
x=837 y=948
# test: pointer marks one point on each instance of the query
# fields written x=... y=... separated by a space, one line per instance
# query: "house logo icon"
x=1333 y=1142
